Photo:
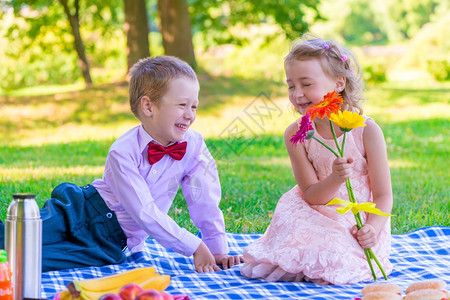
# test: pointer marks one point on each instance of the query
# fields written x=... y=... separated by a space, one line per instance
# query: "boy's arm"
x=202 y=191
x=133 y=193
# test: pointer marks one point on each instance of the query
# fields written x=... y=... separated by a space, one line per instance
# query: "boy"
x=143 y=171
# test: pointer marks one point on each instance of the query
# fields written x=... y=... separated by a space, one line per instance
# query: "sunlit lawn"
x=49 y=139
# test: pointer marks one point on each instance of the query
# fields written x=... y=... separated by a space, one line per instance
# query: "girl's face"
x=308 y=83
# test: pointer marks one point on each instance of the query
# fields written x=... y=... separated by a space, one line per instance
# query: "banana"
x=159 y=283
x=107 y=283
x=94 y=288
x=111 y=289
x=115 y=281
x=65 y=295
x=89 y=295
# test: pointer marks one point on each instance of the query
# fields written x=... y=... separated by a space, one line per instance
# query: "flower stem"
x=326 y=146
x=351 y=195
x=378 y=263
x=335 y=139
x=368 y=257
x=343 y=144
x=369 y=252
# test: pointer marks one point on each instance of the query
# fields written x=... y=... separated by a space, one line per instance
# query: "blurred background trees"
x=66 y=41
x=136 y=29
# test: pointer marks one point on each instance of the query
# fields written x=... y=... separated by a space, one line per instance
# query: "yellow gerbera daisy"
x=347 y=120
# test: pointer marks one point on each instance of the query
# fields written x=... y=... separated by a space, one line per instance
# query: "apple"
x=129 y=291
x=181 y=297
x=110 y=297
x=166 y=296
x=149 y=295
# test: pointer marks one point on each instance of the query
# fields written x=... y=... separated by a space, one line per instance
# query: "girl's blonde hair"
x=151 y=76
x=335 y=61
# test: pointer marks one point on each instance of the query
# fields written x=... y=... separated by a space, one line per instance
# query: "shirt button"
x=109 y=215
x=154 y=171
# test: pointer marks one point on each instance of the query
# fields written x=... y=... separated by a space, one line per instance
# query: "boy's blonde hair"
x=151 y=76
x=335 y=61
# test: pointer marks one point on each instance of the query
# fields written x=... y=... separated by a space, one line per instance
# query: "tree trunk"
x=74 y=21
x=136 y=29
x=176 y=30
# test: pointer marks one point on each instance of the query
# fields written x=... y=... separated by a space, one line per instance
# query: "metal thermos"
x=23 y=243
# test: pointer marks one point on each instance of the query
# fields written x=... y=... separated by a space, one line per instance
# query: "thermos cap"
x=23 y=207
x=23 y=196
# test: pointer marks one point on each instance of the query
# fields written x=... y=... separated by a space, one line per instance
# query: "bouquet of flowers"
x=346 y=121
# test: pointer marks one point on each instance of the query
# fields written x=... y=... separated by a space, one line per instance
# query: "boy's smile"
x=169 y=119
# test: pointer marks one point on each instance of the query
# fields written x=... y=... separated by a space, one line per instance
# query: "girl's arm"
x=379 y=174
x=314 y=191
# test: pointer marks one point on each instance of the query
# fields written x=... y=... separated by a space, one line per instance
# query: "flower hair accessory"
x=344 y=58
x=326 y=46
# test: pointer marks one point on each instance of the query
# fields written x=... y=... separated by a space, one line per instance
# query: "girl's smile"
x=308 y=83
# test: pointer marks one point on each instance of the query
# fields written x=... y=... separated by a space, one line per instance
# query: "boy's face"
x=169 y=120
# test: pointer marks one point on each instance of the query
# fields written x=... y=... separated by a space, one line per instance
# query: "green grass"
x=65 y=136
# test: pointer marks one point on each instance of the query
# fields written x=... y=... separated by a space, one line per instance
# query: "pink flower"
x=304 y=130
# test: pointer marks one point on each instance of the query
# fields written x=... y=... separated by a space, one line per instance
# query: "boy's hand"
x=366 y=236
x=228 y=261
x=203 y=260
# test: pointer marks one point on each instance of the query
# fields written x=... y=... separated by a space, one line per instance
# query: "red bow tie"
x=156 y=152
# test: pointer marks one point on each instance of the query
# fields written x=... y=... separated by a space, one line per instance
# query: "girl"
x=307 y=240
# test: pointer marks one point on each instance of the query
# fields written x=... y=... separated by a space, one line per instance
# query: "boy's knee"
x=65 y=190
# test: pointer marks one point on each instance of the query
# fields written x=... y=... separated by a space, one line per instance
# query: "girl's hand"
x=342 y=168
x=366 y=236
x=204 y=261
x=228 y=261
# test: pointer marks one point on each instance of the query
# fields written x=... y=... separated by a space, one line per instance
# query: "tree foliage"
x=412 y=15
x=37 y=46
x=362 y=22
x=215 y=17
x=41 y=36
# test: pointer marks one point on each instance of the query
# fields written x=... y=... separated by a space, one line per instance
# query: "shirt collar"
x=144 y=138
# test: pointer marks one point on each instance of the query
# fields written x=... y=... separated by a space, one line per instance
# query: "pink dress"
x=313 y=242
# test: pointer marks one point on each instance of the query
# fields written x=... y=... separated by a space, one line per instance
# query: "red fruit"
x=166 y=296
x=149 y=295
x=129 y=291
x=110 y=297
x=181 y=297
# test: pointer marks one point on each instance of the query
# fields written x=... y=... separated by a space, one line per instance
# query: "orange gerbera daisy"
x=329 y=104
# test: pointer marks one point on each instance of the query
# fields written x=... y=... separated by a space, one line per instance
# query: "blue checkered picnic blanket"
x=417 y=255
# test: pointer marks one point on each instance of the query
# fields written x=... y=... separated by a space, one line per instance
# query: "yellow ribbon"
x=356 y=207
